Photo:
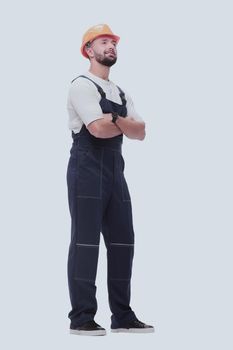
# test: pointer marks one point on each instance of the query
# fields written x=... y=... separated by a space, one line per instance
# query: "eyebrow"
x=109 y=39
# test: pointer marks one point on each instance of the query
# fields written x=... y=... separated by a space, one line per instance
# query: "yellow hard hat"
x=95 y=32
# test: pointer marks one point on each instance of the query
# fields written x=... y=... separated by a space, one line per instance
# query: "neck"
x=99 y=70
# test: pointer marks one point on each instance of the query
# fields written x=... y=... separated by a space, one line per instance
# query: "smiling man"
x=100 y=113
x=105 y=57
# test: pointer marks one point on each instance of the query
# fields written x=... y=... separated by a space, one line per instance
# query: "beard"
x=106 y=61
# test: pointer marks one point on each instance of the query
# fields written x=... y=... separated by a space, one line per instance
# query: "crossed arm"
x=104 y=128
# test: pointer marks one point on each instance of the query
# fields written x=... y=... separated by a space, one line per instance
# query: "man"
x=100 y=113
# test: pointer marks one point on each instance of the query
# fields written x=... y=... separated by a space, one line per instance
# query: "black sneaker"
x=89 y=328
x=134 y=326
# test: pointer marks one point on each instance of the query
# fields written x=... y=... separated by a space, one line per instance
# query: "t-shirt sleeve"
x=84 y=99
x=131 y=112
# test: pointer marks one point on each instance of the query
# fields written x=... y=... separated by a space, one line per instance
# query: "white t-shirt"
x=83 y=101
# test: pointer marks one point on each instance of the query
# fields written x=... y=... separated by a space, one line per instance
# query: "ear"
x=89 y=52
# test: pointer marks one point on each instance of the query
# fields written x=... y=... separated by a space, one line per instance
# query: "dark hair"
x=88 y=44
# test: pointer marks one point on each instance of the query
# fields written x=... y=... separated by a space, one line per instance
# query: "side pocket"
x=77 y=152
x=89 y=174
x=122 y=163
x=124 y=186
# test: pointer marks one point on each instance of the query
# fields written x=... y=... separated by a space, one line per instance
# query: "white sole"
x=133 y=330
x=77 y=332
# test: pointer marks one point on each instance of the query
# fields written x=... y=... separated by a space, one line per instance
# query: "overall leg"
x=85 y=204
x=118 y=233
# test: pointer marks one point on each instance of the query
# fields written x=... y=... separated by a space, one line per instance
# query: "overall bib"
x=99 y=201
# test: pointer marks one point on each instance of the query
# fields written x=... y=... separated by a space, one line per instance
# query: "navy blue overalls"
x=99 y=201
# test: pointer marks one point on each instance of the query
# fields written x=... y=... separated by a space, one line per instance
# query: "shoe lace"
x=93 y=323
x=139 y=323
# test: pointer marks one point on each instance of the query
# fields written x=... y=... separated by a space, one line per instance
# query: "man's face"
x=104 y=50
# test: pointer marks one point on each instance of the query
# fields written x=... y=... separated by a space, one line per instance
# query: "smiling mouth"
x=111 y=53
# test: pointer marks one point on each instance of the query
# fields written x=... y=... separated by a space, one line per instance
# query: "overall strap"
x=122 y=96
x=101 y=91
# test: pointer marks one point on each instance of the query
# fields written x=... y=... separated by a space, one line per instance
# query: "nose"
x=112 y=48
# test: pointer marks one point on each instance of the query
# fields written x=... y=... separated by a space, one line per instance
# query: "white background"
x=175 y=59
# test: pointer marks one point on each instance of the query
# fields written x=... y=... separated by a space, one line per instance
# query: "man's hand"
x=131 y=128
